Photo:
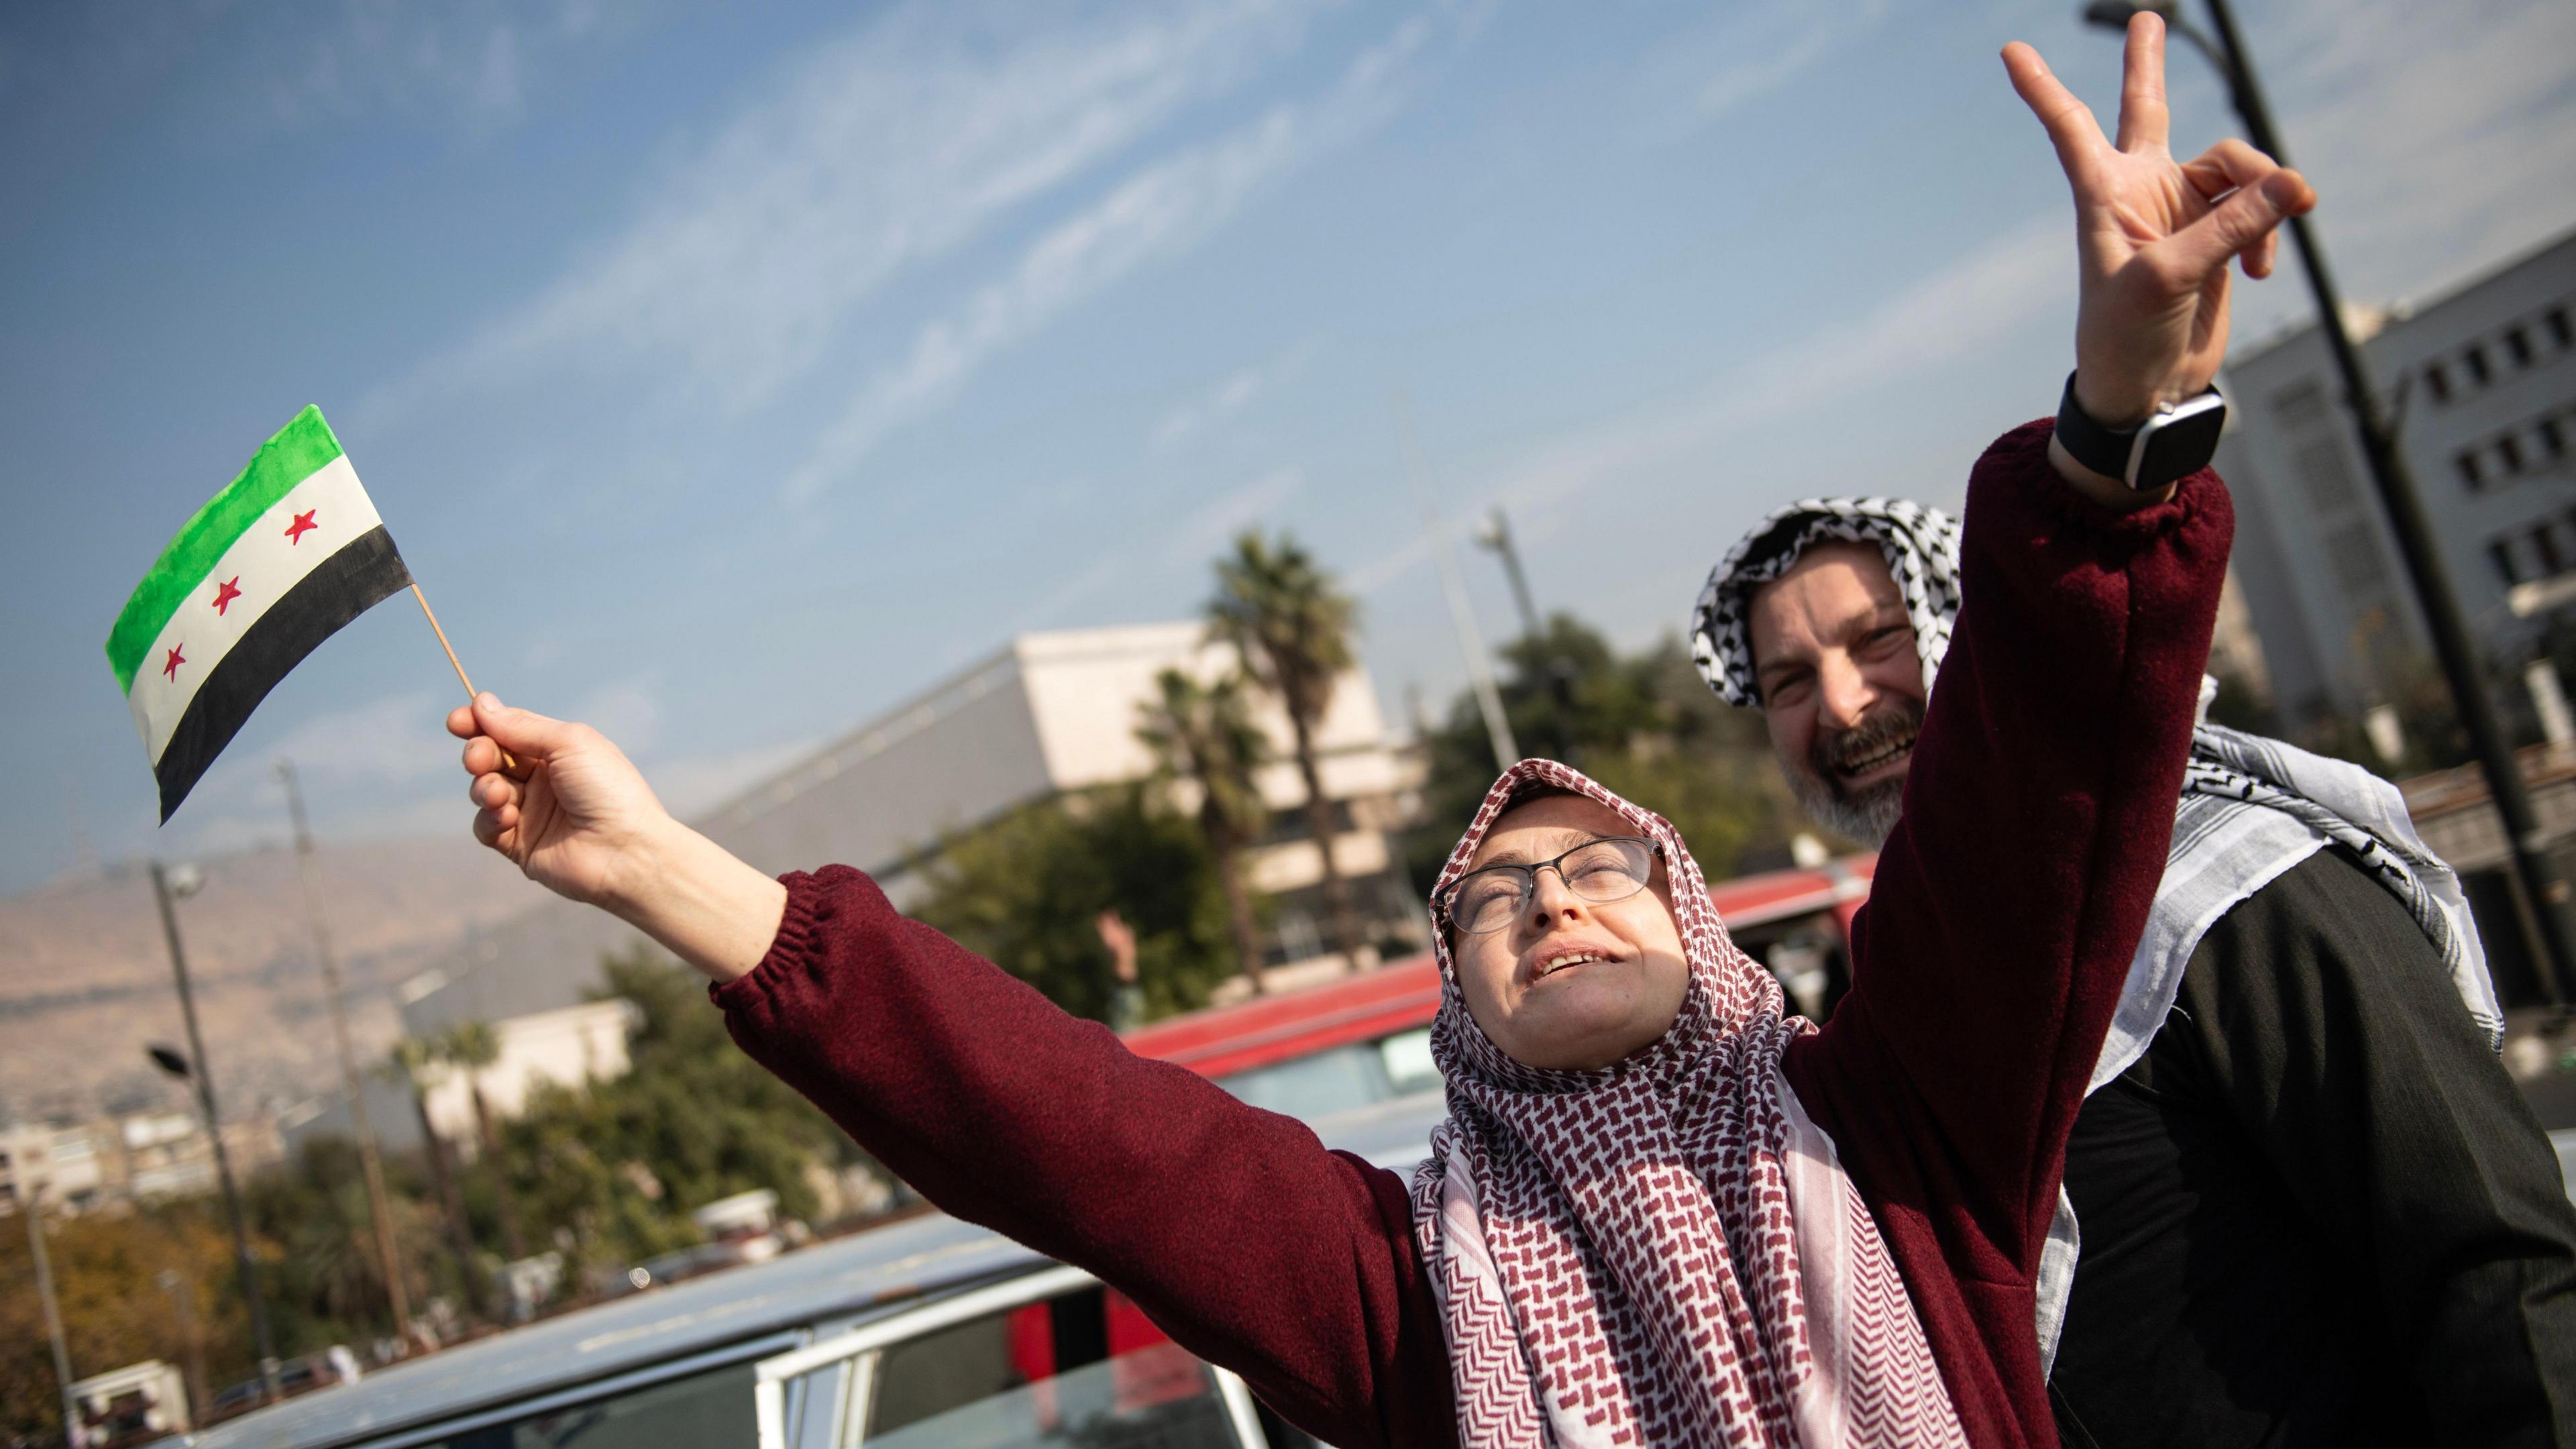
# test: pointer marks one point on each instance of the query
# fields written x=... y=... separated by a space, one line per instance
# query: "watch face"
x=2180 y=443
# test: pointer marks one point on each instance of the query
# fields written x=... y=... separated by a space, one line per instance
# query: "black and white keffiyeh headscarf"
x=2251 y=807
x=1921 y=546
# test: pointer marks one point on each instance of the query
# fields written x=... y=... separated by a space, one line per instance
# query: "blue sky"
x=729 y=373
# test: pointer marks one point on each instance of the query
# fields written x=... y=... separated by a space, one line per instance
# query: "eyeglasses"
x=1611 y=868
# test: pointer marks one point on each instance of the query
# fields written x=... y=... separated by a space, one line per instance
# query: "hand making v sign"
x=2153 y=238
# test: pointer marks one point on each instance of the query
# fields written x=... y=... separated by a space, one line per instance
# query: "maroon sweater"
x=1986 y=968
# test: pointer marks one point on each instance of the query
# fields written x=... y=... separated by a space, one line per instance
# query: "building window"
x=2322 y=474
x=2438 y=383
x=2544 y=541
x=2475 y=359
x=2509 y=451
x=2500 y=553
x=2553 y=438
x=2301 y=406
x=2517 y=345
x=2559 y=332
x=2472 y=474
x=2355 y=553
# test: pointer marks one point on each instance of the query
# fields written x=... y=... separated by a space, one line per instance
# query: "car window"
x=1340 y=1078
x=1407 y=1059
x=708 y=1410
x=1083 y=1368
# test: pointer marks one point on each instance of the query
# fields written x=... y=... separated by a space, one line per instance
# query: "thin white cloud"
x=473 y=64
x=1154 y=214
x=1209 y=530
x=1230 y=395
x=1738 y=55
x=883 y=150
x=360 y=768
x=1962 y=309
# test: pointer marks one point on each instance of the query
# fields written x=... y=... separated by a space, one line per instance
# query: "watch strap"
x=2132 y=454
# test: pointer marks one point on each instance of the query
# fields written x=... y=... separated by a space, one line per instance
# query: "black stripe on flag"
x=340 y=588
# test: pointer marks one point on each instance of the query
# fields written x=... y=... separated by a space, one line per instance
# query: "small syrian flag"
x=265 y=572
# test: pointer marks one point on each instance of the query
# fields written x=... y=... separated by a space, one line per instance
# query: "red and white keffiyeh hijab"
x=1665 y=1251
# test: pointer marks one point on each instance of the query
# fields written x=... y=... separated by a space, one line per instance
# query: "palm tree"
x=1205 y=733
x=417 y=1064
x=1292 y=626
x=473 y=1046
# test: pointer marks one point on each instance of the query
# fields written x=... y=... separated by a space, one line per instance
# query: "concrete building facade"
x=2483 y=380
x=71 y=1165
x=1047 y=715
x=564 y=1047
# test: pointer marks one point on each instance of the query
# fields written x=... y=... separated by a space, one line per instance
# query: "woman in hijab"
x=1661 y=1211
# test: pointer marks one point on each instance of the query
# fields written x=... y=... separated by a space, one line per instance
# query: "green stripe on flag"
x=300 y=449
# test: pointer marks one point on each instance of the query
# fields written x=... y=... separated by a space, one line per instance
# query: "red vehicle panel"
x=1405 y=994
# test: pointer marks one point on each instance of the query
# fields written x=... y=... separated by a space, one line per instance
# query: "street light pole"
x=398 y=1298
x=1471 y=640
x=205 y=1082
x=1497 y=535
x=35 y=1210
x=2550 y=953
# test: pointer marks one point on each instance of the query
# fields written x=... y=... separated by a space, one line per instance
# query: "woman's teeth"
x=1579 y=958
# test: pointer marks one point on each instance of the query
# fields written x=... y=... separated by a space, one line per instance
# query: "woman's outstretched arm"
x=1234 y=1228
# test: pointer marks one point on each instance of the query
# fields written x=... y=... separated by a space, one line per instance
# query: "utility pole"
x=192 y=1338
x=1497 y=535
x=1462 y=615
x=204 y=1077
x=35 y=1210
x=398 y=1297
x=2416 y=547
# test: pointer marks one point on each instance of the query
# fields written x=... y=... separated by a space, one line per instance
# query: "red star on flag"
x=171 y=665
x=302 y=525
x=225 y=593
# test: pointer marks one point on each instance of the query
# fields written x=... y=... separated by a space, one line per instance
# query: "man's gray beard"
x=1864 y=817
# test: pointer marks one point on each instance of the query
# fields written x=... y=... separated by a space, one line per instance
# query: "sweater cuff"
x=2019 y=462
x=794 y=948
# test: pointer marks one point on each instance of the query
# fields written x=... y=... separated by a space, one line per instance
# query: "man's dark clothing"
x=2317 y=1210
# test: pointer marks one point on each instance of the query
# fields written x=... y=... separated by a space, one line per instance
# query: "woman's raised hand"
x=569 y=810
x=2153 y=235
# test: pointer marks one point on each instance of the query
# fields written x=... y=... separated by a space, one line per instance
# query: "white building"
x=69 y=1165
x=2484 y=383
x=1046 y=714
x=567 y=1047
x=167 y=1155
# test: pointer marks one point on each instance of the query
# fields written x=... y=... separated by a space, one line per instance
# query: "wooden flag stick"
x=507 y=764
x=452 y=661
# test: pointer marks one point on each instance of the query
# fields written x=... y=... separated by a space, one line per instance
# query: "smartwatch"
x=2176 y=441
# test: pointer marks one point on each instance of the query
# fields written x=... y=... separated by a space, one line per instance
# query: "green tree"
x=108 y=1275
x=608 y=1171
x=1292 y=624
x=1646 y=726
x=472 y=1047
x=1204 y=733
x=415 y=1063
x=1026 y=892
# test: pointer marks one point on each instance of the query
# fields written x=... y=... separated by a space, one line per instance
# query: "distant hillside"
x=85 y=980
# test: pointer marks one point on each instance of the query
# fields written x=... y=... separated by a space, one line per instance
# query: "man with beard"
x=2313 y=1208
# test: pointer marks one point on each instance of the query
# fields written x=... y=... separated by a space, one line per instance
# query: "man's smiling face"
x=1841 y=685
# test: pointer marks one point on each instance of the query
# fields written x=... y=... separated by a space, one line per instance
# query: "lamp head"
x=184 y=880
x=2115 y=14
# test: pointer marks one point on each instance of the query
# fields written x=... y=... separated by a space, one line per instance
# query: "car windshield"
x=1338 y=1079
